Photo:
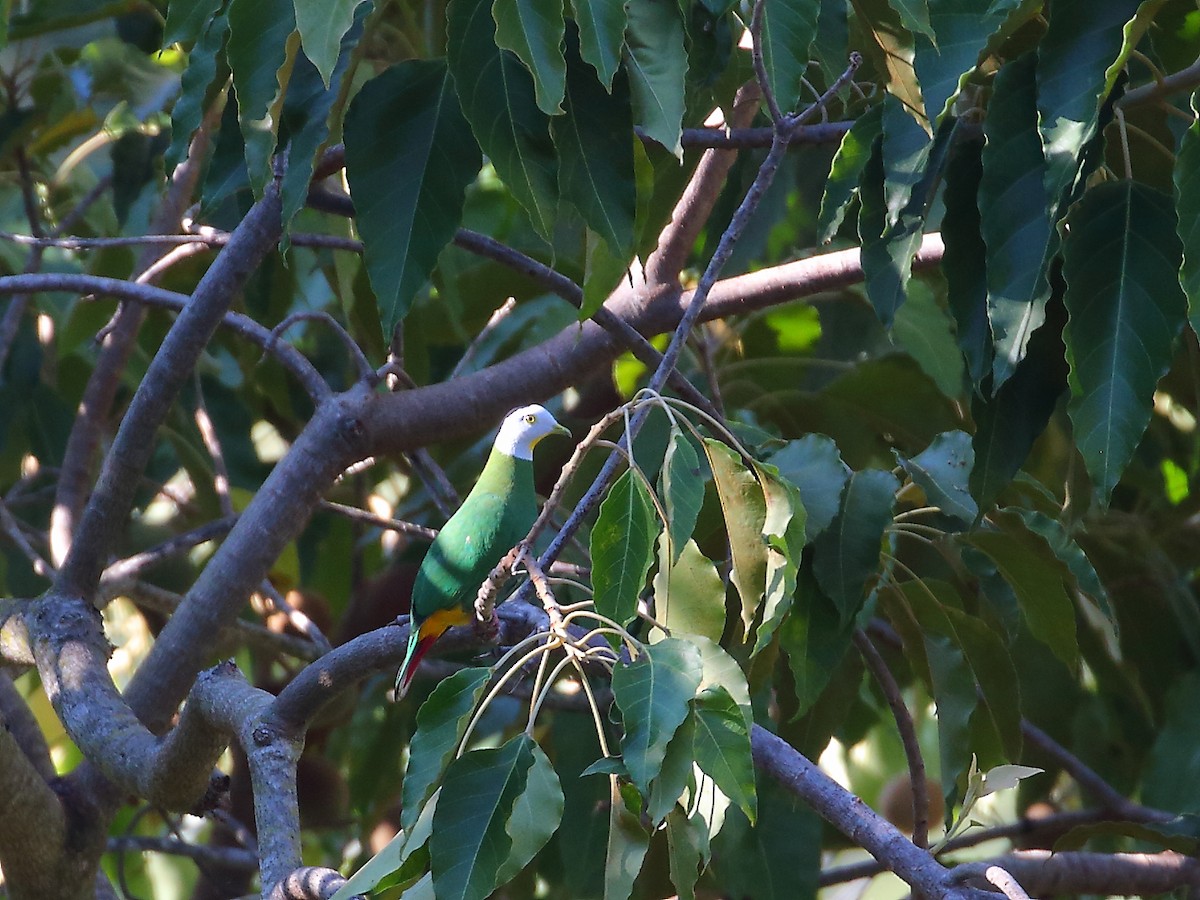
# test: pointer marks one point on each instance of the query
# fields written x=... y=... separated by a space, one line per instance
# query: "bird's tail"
x=418 y=646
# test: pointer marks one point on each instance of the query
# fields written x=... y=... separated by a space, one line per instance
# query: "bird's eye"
x=530 y=418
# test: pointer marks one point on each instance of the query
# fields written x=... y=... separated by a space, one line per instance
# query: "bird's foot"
x=488 y=626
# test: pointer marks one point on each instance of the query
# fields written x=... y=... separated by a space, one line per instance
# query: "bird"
x=495 y=516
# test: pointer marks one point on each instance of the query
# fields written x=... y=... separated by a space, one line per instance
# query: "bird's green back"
x=496 y=514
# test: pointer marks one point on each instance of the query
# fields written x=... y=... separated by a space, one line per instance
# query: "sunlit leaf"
x=1006 y=777
x=1121 y=262
x=784 y=530
x=689 y=595
x=681 y=484
x=846 y=171
x=744 y=508
x=391 y=858
x=787 y=31
x=942 y=470
x=622 y=546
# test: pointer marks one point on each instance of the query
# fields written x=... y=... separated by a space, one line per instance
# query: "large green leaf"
x=942 y=471
x=601 y=35
x=745 y=511
x=622 y=546
x=689 y=595
x=259 y=54
x=533 y=29
x=719 y=669
x=322 y=25
x=815 y=639
x=497 y=97
x=595 y=166
x=891 y=49
x=627 y=842
x=788 y=29
x=964 y=262
x=1079 y=58
x=1187 y=205
x=656 y=61
x=845 y=172
x=943 y=63
x=814 y=465
x=676 y=771
x=653 y=693
x=204 y=60
x=1121 y=264
x=1173 y=768
x=1016 y=224
x=1039 y=579
x=905 y=146
x=924 y=330
x=471 y=843
x=409 y=159
x=441 y=723
x=681 y=485
x=886 y=251
x=535 y=815
x=1060 y=541
x=687 y=848
x=846 y=556
x=187 y=20
x=722 y=747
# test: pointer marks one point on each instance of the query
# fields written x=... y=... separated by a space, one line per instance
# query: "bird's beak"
x=559 y=428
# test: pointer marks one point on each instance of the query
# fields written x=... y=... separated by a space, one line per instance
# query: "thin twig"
x=131 y=566
x=498 y=315
x=366 y=371
x=12 y=528
x=367 y=518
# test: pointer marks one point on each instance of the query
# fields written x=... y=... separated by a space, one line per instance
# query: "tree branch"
x=1134 y=874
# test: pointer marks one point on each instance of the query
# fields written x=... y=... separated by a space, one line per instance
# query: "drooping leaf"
x=788 y=29
x=892 y=48
x=533 y=30
x=886 y=252
x=1121 y=263
x=1037 y=576
x=681 y=484
x=535 y=815
x=441 y=723
x=471 y=844
x=924 y=330
x=964 y=262
x=815 y=640
x=595 y=167
x=905 y=147
x=845 y=172
x=1187 y=206
x=497 y=97
x=187 y=20
x=942 y=470
x=204 y=63
x=1079 y=58
x=744 y=508
x=656 y=61
x=409 y=158
x=943 y=62
x=653 y=693
x=260 y=52
x=846 y=555
x=689 y=595
x=955 y=696
x=915 y=16
x=1016 y=223
x=1069 y=552
x=784 y=530
x=628 y=842
x=672 y=779
x=1172 y=779
x=322 y=25
x=622 y=546
x=392 y=858
x=722 y=748
x=687 y=848
x=814 y=465
x=601 y=35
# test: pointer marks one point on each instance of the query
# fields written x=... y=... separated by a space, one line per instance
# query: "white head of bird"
x=523 y=428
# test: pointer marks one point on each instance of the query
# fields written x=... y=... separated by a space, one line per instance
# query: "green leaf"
x=942 y=470
x=923 y=329
x=471 y=844
x=622 y=547
x=1172 y=775
x=886 y=252
x=815 y=639
x=906 y=147
x=656 y=61
x=392 y=857
x=1016 y=223
x=653 y=693
x=322 y=25
x=260 y=52
x=955 y=697
x=914 y=14
x=1121 y=260
x=536 y=815
x=1079 y=58
x=676 y=771
x=1035 y=573
x=1187 y=205
x=601 y=35
x=409 y=159
x=687 y=849
x=533 y=30
x=722 y=748
x=188 y=20
x=720 y=669
x=845 y=172
x=784 y=530
x=689 y=595
x=815 y=466
x=744 y=508
x=441 y=723
x=1070 y=553
x=601 y=274
x=681 y=485
x=627 y=845
x=964 y=262
x=204 y=60
x=1181 y=834
x=944 y=63
x=595 y=154
x=788 y=29
x=497 y=97
x=846 y=556
x=891 y=48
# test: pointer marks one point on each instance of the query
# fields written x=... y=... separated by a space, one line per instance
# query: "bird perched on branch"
x=497 y=514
